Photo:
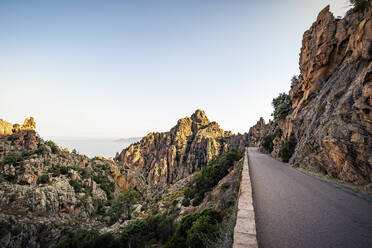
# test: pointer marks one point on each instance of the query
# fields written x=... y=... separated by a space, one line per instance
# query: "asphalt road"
x=297 y=210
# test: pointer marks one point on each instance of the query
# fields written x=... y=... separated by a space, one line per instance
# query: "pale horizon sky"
x=114 y=69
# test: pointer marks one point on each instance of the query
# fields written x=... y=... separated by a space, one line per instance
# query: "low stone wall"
x=245 y=228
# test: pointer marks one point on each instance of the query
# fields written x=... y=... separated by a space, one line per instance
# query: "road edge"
x=245 y=228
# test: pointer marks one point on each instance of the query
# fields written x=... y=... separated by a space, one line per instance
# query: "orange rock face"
x=166 y=157
x=332 y=105
x=331 y=117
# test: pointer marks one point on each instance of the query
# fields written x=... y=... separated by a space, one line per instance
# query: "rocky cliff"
x=188 y=146
x=331 y=118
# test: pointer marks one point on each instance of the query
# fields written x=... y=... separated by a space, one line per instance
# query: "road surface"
x=297 y=210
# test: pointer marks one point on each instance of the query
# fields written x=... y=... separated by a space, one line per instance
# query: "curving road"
x=297 y=210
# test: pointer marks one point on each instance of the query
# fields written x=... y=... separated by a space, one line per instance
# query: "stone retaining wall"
x=245 y=228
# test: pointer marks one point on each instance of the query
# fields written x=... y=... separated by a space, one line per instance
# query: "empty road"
x=297 y=210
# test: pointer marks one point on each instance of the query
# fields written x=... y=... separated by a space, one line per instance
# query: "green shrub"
x=295 y=79
x=186 y=202
x=197 y=230
x=86 y=172
x=52 y=146
x=42 y=149
x=64 y=170
x=282 y=106
x=198 y=199
x=105 y=184
x=89 y=239
x=148 y=232
x=57 y=170
x=43 y=179
x=203 y=232
x=123 y=204
x=12 y=158
x=287 y=149
x=211 y=175
x=358 y=4
x=26 y=153
x=267 y=143
x=16 y=126
x=76 y=185
x=174 y=203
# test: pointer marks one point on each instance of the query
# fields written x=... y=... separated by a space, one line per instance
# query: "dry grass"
x=321 y=176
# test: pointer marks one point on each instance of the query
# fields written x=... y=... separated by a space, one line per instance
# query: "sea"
x=95 y=147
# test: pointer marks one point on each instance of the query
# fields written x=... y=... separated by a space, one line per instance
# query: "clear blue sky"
x=125 y=68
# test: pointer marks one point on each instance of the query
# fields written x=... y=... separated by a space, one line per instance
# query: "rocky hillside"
x=190 y=145
x=43 y=185
x=52 y=197
x=328 y=127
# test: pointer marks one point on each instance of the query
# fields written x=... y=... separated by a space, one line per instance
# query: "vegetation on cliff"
x=210 y=176
x=202 y=227
x=282 y=106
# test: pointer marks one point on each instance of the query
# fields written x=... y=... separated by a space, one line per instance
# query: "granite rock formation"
x=165 y=158
x=43 y=188
x=5 y=127
x=191 y=144
x=331 y=116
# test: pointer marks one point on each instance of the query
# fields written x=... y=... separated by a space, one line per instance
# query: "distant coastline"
x=95 y=146
x=128 y=140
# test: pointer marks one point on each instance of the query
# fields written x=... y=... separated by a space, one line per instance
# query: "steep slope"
x=189 y=146
x=331 y=117
x=46 y=189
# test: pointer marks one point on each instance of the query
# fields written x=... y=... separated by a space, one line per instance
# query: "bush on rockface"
x=267 y=143
x=57 y=170
x=357 y=5
x=186 y=202
x=52 y=146
x=76 y=185
x=211 y=175
x=12 y=158
x=287 y=149
x=123 y=204
x=149 y=232
x=42 y=149
x=43 y=179
x=197 y=230
x=105 y=184
x=282 y=106
x=294 y=80
x=89 y=239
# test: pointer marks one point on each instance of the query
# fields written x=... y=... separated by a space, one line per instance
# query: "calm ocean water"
x=95 y=147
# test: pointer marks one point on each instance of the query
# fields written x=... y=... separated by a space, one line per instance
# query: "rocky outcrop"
x=331 y=116
x=44 y=187
x=29 y=124
x=189 y=146
x=257 y=132
x=5 y=127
